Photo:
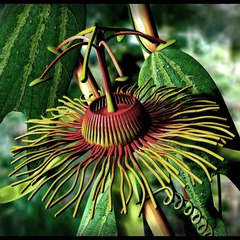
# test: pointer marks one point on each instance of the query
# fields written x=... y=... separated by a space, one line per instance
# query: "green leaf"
x=171 y=67
x=26 y=32
x=165 y=45
x=120 y=38
x=103 y=222
x=114 y=223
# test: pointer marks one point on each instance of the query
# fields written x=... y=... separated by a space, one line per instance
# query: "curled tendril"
x=180 y=203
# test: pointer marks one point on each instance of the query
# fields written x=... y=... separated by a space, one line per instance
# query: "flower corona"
x=153 y=131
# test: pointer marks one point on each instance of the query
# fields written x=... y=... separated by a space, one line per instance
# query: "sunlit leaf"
x=171 y=67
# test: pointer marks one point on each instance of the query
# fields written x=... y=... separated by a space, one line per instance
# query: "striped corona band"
x=107 y=129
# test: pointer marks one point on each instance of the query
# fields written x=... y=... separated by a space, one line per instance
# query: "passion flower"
x=150 y=134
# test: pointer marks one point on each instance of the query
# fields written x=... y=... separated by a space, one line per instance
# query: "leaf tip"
x=120 y=38
x=34 y=82
x=122 y=79
x=53 y=50
x=164 y=45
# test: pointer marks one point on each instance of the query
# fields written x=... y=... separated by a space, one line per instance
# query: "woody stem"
x=143 y=22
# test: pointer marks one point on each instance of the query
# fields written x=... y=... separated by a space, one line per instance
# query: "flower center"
x=121 y=127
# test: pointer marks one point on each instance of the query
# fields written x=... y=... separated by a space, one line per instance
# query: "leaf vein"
x=6 y=51
x=36 y=38
x=59 y=67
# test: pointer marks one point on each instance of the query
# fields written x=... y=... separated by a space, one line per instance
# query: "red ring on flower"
x=121 y=127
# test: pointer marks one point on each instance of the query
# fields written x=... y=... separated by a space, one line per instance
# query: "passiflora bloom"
x=150 y=134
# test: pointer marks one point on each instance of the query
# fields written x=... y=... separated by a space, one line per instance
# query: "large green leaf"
x=103 y=223
x=112 y=223
x=26 y=31
x=171 y=67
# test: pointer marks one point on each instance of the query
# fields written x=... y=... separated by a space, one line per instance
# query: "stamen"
x=154 y=130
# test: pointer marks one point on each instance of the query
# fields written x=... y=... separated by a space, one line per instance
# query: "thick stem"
x=143 y=21
x=156 y=220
